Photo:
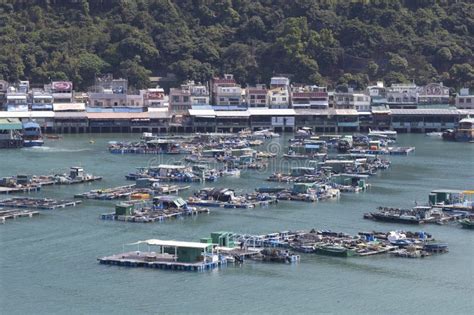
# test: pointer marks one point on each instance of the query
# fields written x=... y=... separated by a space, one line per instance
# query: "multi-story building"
x=279 y=93
x=377 y=93
x=465 y=99
x=62 y=92
x=352 y=100
x=41 y=100
x=309 y=96
x=433 y=94
x=279 y=97
x=402 y=96
x=17 y=97
x=257 y=96
x=154 y=97
x=226 y=91
x=188 y=95
x=109 y=92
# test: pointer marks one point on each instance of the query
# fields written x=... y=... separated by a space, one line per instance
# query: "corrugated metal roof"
x=118 y=115
x=271 y=111
x=232 y=113
x=202 y=112
x=10 y=124
x=32 y=114
x=312 y=112
x=425 y=111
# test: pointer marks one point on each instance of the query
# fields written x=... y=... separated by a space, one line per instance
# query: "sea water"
x=48 y=264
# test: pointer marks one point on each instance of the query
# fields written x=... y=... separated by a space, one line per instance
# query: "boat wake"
x=51 y=149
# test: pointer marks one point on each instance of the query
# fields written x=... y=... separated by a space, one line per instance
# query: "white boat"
x=231 y=172
x=435 y=134
x=392 y=134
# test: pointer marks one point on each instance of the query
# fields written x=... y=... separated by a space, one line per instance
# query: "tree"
x=88 y=67
x=137 y=75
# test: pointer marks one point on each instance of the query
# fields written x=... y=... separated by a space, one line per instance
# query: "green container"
x=206 y=240
x=189 y=255
x=123 y=209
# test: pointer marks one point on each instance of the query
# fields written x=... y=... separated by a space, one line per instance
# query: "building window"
x=175 y=99
x=461 y=100
x=468 y=100
x=283 y=99
x=274 y=99
x=185 y=99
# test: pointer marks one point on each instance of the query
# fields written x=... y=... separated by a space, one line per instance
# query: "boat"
x=467 y=223
x=234 y=172
x=392 y=134
x=434 y=134
x=32 y=136
x=463 y=133
x=54 y=137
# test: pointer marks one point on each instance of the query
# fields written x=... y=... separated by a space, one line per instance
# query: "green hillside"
x=323 y=42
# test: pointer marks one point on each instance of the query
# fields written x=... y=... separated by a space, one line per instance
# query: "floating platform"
x=157 y=261
x=151 y=216
x=128 y=192
x=20 y=189
x=37 y=203
x=8 y=214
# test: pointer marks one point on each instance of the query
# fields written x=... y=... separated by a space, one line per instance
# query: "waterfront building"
x=16 y=101
x=464 y=99
x=402 y=96
x=109 y=92
x=62 y=92
x=377 y=93
x=188 y=95
x=433 y=94
x=352 y=100
x=279 y=92
x=309 y=96
x=154 y=97
x=226 y=91
x=424 y=120
x=41 y=100
x=256 y=96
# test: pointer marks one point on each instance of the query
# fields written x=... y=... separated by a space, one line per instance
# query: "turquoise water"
x=48 y=263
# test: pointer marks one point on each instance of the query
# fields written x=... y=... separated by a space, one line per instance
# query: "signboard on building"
x=61 y=86
x=155 y=95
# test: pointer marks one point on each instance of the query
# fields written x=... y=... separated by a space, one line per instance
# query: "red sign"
x=155 y=95
x=62 y=86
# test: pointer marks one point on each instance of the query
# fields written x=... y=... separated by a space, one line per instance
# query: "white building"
x=309 y=96
x=433 y=94
x=226 y=91
x=402 y=96
x=465 y=99
x=352 y=100
x=154 y=97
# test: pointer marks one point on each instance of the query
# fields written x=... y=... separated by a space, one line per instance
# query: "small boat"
x=270 y=189
x=392 y=134
x=54 y=137
x=32 y=136
x=235 y=172
x=435 y=134
x=467 y=224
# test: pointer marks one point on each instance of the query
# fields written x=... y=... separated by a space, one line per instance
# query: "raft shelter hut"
x=171 y=255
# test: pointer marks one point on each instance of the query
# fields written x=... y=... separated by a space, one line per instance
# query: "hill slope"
x=336 y=42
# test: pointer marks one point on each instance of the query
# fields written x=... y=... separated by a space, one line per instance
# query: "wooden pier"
x=37 y=203
x=6 y=214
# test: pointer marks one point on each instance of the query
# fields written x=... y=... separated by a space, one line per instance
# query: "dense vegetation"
x=323 y=42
